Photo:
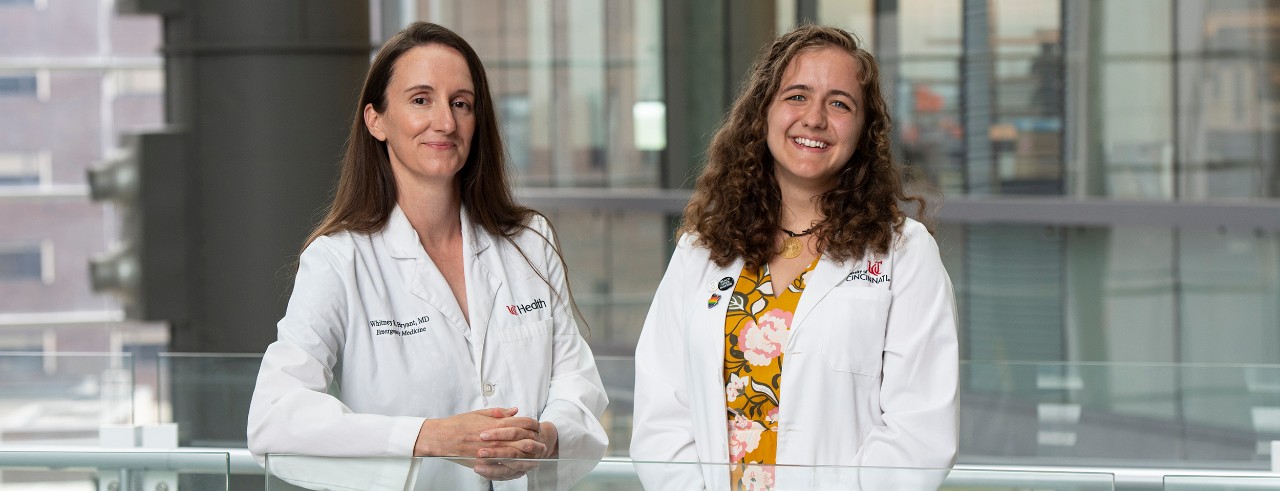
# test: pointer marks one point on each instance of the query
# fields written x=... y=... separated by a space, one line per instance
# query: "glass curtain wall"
x=74 y=76
x=1154 y=101
x=580 y=93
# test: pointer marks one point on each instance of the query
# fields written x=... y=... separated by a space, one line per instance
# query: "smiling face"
x=429 y=118
x=816 y=118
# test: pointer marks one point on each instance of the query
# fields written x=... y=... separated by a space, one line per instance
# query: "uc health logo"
x=537 y=303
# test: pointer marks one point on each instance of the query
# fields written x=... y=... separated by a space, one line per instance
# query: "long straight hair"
x=366 y=191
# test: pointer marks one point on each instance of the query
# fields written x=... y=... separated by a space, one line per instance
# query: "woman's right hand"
x=459 y=436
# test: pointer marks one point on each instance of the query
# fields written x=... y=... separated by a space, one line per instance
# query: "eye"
x=419 y=100
x=797 y=97
x=841 y=105
x=462 y=104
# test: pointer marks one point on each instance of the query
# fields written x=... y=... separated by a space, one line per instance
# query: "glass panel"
x=1026 y=132
x=1119 y=414
x=131 y=470
x=208 y=396
x=1136 y=132
x=62 y=399
x=1229 y=284
x=1229 y=96
x=1133 y=98
x=1220 y=483
x=1013 y=299
x=1121 y=294
x=926 y=107
x=578 y=84
x=618 y=373
x=616 y=260
x=919 y=45
x=294 y=472
x=856 y=16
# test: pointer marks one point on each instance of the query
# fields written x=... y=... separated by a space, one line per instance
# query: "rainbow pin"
x=714 y=300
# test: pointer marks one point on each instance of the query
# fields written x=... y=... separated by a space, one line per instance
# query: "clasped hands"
x=490 y=436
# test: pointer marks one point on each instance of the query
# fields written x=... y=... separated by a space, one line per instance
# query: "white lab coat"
x=372 y=321
x=869 y=377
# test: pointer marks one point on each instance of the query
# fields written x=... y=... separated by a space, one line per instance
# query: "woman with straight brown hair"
x=431 y=314
x=795 y=248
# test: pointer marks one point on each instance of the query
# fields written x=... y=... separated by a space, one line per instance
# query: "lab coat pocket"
x=855 y=319
x=525 y=331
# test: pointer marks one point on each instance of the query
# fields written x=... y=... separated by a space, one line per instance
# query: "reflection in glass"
x=292 y=472
x=62 y=399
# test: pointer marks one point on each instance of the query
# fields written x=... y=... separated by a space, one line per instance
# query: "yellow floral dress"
x=756 y=327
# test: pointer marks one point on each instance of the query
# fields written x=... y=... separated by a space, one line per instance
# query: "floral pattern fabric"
x=756 y=327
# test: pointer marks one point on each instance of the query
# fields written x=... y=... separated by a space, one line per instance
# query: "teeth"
x=810 y=143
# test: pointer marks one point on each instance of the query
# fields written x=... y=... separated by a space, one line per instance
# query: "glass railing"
x=1221 y=483
x=293 y=472
x=1164 y=415
x=63 y=398
x=1173 y=416
x=208 y=396
x=119 y=470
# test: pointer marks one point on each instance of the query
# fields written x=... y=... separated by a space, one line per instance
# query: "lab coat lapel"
x=825 y=276
x=482 y=264
x=707 y=343
x=416 y=268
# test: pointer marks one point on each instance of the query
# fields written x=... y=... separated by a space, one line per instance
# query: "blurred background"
x=1107 y=175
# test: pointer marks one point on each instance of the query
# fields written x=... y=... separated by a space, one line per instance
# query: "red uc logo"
x=874 y=268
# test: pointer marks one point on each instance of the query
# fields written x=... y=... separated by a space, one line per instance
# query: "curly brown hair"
x=736 y=204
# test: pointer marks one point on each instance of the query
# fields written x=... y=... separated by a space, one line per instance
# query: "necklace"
x=791 y=245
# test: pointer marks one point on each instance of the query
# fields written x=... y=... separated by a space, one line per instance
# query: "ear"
x=373 y=122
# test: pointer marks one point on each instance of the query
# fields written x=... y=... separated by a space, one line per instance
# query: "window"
x=19 y=85
x=20 y=262
x=24 y=168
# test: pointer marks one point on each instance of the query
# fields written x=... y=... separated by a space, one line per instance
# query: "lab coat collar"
x=824 y=277
x=401 y=240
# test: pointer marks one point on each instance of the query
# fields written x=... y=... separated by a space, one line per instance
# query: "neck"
x=433 y=210
x=799 y=209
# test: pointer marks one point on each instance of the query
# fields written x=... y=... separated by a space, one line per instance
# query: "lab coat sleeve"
x=576 y=399
x=920 y=365
x=663 y=420
x=291 y=411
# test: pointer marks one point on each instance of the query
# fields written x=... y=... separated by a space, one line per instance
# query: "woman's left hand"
x=516 y=443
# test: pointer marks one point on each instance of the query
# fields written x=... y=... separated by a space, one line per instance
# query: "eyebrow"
x=810 y=89
x=428 y=88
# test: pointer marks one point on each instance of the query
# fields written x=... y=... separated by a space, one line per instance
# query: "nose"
x=815 y=116
x=443 y=120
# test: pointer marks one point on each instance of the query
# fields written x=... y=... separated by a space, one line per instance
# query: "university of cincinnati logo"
x=524 y=309
x=874 y=268
x=871 y=274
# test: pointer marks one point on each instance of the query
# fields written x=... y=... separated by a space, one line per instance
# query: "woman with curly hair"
x=796 y=252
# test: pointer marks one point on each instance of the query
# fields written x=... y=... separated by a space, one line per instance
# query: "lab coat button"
x=487 y=389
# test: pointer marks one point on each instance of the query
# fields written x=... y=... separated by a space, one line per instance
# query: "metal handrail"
x=239 y=461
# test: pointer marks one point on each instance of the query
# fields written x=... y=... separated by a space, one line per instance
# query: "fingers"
x=509 y=434
x=523 y=449
x=519 y=422
x=497 y=412
x=521 y=465
x=497 y=472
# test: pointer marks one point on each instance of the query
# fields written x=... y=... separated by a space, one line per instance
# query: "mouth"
x=439 y=145
x=807 y=143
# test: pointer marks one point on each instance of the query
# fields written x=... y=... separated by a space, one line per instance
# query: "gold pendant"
x=791 y=247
